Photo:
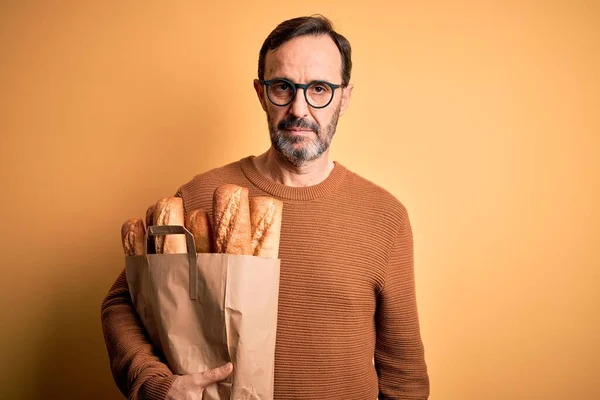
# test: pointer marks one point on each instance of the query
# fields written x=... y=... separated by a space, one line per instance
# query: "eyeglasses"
x=318 y=94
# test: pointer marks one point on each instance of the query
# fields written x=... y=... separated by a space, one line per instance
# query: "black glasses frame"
x=296 y=86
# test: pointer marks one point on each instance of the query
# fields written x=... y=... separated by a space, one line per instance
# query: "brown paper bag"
x=203 y=310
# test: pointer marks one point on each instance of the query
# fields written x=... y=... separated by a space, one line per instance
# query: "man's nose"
x=299 y=107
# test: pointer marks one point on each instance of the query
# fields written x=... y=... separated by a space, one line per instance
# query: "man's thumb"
x=217 y=374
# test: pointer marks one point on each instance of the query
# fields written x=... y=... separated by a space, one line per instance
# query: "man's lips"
x=298 y=130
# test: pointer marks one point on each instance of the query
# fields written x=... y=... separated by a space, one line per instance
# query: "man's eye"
x=319 y=89
x=281 y=86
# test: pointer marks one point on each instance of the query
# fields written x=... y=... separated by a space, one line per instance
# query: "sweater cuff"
x=157 y=387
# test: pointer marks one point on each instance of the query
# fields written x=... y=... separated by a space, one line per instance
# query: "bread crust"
x=169 y=211
x=231 y=220
x=198 y=223
x=132 y=237
x=265 y=219
x=150 y=215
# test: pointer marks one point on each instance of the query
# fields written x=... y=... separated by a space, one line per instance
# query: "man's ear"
x=346 y=93
x=259 y=88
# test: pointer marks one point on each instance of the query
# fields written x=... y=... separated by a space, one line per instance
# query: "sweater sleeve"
x=399 y=353
x=138 y=373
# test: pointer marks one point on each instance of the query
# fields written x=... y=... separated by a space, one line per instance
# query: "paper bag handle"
x=191 y=248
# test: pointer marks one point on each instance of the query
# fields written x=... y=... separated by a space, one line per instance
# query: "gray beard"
x=313 y=147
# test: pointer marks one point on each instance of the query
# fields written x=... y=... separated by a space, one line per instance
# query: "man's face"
x=298 y=131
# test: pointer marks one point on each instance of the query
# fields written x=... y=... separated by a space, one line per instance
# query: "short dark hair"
x=314 y=25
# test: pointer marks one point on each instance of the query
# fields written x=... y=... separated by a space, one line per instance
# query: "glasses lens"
x=319 y=94
x=280 y=92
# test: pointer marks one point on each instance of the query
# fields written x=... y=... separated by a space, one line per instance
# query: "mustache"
x=293 y=122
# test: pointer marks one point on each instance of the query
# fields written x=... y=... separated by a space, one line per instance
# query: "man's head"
x=302 y=121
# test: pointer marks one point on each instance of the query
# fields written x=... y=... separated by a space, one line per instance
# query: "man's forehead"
x=311 y=57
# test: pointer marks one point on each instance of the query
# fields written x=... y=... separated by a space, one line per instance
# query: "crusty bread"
x=198 y=224
x=169 y=211
x=231 y=213
x=132 y=237
x=150 y=215
x=265 y=219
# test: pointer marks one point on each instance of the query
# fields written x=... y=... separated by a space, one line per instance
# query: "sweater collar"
x=329 y=185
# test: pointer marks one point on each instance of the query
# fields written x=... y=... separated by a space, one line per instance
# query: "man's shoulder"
x=374 y=195
x=213 y=177
x=198 y=192
x=219 y=173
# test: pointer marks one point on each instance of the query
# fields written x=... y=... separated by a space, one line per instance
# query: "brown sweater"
x=347 y=294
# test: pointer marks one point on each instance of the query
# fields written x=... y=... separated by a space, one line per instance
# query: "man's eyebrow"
x=280 y=77
x=291 y=80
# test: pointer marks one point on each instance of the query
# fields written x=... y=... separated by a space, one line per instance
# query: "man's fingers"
x=214 y=375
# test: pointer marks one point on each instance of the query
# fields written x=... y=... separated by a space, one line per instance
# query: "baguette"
x=198 y=223
x=169 y=211
x=150 y=215
x=231 y=213
x=132 y=237
x=265 y=219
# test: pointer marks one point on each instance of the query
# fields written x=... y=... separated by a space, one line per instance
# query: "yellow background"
x=481 y=117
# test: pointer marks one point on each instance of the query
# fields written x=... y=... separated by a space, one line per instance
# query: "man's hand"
x=191 y=386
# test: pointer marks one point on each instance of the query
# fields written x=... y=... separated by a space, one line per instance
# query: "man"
x=347 y=293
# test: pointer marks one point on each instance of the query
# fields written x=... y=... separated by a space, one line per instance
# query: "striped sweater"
x=347 y=294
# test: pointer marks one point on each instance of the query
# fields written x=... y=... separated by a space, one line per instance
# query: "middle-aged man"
x=347 y=292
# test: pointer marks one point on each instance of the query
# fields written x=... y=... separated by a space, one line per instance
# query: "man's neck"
x=275 y=167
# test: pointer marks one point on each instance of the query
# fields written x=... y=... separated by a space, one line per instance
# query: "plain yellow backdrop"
x=481 y=117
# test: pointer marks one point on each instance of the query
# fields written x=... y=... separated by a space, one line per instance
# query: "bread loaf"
x=265 y=219
x=169 y=211
x=231 y=214
x=150 y=215
x=132 y=237
x=198 y=223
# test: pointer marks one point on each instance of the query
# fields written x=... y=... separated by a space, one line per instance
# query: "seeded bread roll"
x=231 y=213
x=169 y=211
x=132 y=237
x=265 y=219
x=198 y=223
